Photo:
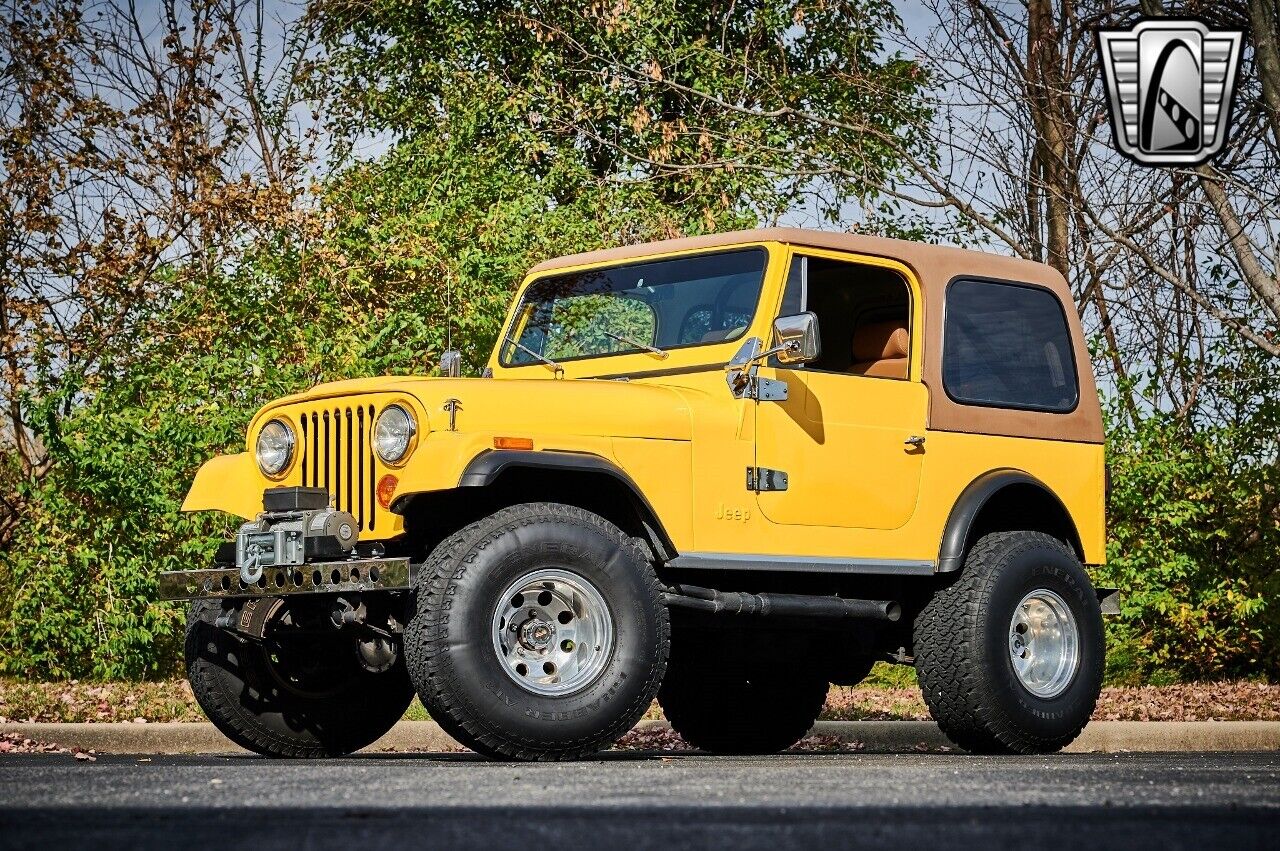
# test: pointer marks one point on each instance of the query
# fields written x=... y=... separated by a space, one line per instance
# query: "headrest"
x=881 y=341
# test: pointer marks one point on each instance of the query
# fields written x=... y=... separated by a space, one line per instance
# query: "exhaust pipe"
x=715 y=602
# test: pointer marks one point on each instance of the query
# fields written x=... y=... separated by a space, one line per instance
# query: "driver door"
x=844 y=436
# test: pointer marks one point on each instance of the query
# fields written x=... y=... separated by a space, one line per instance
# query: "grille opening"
x=337 y=454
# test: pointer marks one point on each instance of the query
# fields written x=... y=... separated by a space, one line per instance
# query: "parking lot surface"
x=645 y=800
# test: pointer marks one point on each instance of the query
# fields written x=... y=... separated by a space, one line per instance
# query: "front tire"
x=539 y=634
x=311 y=700
x=1010 y=655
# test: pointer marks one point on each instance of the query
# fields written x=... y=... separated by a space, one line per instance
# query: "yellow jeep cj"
x=725 y=472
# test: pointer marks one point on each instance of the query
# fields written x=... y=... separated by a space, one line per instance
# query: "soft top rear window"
x=1008 y=345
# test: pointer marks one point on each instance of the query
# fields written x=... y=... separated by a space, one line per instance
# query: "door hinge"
x=769 y=390
x=763 y=479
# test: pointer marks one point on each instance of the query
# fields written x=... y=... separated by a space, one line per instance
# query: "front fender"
x=222 y=484
x=442 y=459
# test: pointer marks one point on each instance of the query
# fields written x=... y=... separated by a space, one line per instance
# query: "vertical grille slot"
x=360 y=465
x=337 y=455
x=337 y=460
x=351 y=506
x=373 y=486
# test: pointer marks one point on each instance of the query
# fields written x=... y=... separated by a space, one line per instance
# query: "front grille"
x=337 y=454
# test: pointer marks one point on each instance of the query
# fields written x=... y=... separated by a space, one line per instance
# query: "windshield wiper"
x=531 y=353
x=653 y=350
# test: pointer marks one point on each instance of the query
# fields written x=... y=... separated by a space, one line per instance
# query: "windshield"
x=662 y=304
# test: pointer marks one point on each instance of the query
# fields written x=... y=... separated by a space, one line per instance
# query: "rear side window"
x=1007 y=346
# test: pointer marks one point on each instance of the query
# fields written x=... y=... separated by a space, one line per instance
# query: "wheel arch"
x=497 y=478
x=1004 y=500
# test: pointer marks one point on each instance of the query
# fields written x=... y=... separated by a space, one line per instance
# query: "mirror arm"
x=790 y=345
x=755 y=360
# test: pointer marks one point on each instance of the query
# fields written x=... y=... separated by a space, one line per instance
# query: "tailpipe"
x=768 y=604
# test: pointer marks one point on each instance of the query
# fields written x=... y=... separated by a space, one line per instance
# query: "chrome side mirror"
x=451 y=363
x=797 y=338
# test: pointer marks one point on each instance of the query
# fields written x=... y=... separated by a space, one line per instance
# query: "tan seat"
x=880 y=349
x=721 y=334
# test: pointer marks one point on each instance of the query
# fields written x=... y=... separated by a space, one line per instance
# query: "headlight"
x=275 y=448
x=393 y=433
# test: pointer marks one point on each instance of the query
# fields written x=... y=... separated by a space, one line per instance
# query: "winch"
x=296 y=526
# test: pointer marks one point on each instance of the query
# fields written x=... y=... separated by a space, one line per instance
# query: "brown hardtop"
x=935 y=267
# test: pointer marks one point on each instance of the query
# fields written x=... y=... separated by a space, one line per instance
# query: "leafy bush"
x=1194 y=519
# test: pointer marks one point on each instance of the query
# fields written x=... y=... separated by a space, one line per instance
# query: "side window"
x=1008 y=346
x=794 y=298
x=864 y=315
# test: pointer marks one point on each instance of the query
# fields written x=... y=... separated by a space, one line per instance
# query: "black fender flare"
x=488 y=466
x=955 y=535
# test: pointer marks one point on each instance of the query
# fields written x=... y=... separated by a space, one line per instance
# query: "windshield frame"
x=514 y=326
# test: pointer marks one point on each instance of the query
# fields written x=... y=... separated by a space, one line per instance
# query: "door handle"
x=915 y=441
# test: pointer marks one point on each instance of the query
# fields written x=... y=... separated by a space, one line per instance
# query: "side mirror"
x=451 y=363
x=797 y=338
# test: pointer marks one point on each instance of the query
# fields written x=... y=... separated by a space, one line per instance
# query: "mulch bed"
x=1224 y=701
x=172 y=701
x=167 y=700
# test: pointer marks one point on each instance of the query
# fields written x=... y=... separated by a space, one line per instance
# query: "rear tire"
x=539 y=634
x=272 y=707
x=1010 y=655
x=720 y=705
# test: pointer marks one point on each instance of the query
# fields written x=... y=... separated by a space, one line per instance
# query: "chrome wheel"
x=552 y=631
x=1044 y=643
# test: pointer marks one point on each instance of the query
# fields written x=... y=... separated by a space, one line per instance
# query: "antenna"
x=450 y=359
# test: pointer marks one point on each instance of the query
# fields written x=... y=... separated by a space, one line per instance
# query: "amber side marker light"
x=387 y=489
x=513 y=443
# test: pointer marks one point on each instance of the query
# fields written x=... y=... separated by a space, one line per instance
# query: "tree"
x=1173 y=268
x=695 y=100
x=135 y=147
x=141 y=151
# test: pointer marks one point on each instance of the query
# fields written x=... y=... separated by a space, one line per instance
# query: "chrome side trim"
x=369 y=574
x=803 y=564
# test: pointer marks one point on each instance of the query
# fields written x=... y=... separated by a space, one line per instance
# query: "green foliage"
x=697 y=100
x=1194 y=519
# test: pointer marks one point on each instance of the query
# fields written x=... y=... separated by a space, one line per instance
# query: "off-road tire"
x=234 y=685
x=962 y=648
x=718 y=707
x=449 y=646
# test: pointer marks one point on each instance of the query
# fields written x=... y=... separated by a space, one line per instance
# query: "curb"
x=890 y=736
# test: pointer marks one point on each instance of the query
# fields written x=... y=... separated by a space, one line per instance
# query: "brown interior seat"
x=721 y=334
x=880 y=349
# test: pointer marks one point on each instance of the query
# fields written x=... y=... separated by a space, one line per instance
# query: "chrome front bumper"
x=370 y=574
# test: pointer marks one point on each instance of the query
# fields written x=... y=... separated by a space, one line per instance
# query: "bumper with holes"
x=350 y=575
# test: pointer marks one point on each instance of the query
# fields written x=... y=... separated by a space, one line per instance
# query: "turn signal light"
x=387 y=489
x=513 y=443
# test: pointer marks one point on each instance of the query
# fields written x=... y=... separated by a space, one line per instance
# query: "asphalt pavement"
x=644 y=800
